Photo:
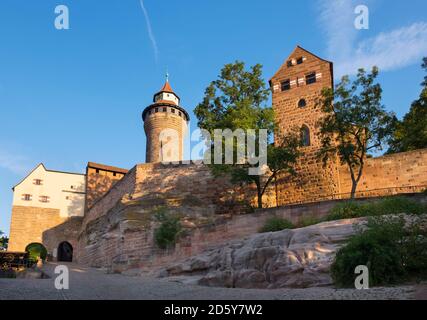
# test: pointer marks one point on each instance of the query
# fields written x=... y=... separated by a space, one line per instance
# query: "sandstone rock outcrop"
x=297 y=258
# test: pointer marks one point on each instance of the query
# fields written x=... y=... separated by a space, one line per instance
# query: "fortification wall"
x=29 y=223
x=116 y=226
x=392 y=174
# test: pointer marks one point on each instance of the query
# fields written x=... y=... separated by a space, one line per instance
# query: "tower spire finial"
x=167 y=74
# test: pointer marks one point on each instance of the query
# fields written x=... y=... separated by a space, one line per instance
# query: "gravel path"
x=88 y=283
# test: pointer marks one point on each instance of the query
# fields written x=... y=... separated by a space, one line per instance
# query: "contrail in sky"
x=150 y=31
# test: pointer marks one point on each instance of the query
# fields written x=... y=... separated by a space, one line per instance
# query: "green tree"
x=355 y=122
x=237 y=100
x=4 y=241
x=411 y=132
x=168 y=230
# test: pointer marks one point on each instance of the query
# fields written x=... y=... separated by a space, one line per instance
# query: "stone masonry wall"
x=392 y=174
x=29 y=223
x=67 y=231
x=98 y=183
x=129 y=247
x=117 y=223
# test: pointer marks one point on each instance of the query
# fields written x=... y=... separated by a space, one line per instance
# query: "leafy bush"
x=36 y=251
x=308 y=221
x=346 y=210
x=391 y=251
x=169 y=229
x=391 y=205
x=274 y=224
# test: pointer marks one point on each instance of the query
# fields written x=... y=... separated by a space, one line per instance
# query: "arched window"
x=305 y=136
x=302 y=103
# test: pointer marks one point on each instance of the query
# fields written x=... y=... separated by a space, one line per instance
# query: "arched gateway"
x=65 y=252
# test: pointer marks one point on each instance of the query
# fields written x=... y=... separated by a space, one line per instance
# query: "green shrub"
x=391 y=251
x=308 y=221
x=391 y=205
x=274 y=224
x=346 y=210
x=36 y=251
x=169 y=229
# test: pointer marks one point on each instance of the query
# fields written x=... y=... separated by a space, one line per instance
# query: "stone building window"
x=38 y=182
x=286 y=85
x=289 y=63
x=310 y=78
x=305 y=136
x=26 y=197
x=44 y=199
x=302 y=103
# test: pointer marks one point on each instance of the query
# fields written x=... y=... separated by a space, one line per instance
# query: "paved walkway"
x=88 y=283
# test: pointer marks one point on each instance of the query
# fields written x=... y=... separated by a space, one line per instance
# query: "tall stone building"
x=296 y=87
x=165 y=125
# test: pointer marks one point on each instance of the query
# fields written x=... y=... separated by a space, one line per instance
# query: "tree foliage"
x=237 y=101
x=169 y=229
x=411 y=132
x=355 y=122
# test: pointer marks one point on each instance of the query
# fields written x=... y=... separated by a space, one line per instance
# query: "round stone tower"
x=165 y=125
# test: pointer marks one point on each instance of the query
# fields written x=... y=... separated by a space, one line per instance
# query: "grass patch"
x=274 y=224
x=386 y=206
x=392 y=252
x=308 y=221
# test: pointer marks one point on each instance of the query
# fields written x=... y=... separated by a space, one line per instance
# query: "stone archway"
x=65 y=252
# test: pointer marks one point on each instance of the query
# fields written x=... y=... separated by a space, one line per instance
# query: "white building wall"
x=66 y=191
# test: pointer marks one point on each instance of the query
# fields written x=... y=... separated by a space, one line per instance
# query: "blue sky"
x=72 y=96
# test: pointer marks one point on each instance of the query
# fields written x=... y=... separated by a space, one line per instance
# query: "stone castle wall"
x=28 y=225
x=117 y=223
x=391 y=174
x=99 y=180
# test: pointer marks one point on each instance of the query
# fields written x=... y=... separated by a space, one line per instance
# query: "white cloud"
x=389 y=50
x=150 y=31
x=14 y=163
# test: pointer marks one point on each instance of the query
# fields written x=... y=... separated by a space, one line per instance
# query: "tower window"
x=289 y=63
x=173 y=110
x=302 y=103
x=26 y=197
x=38 y=182
x=180 y=114
x=286 y=85
x=305 y=136
x=114 y=174
x=157 y=109
x=310 y=78
x=300 y=60
x=165 y=109
x=97 y=170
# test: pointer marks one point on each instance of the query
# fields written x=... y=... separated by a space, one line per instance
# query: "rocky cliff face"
x=290 y=258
